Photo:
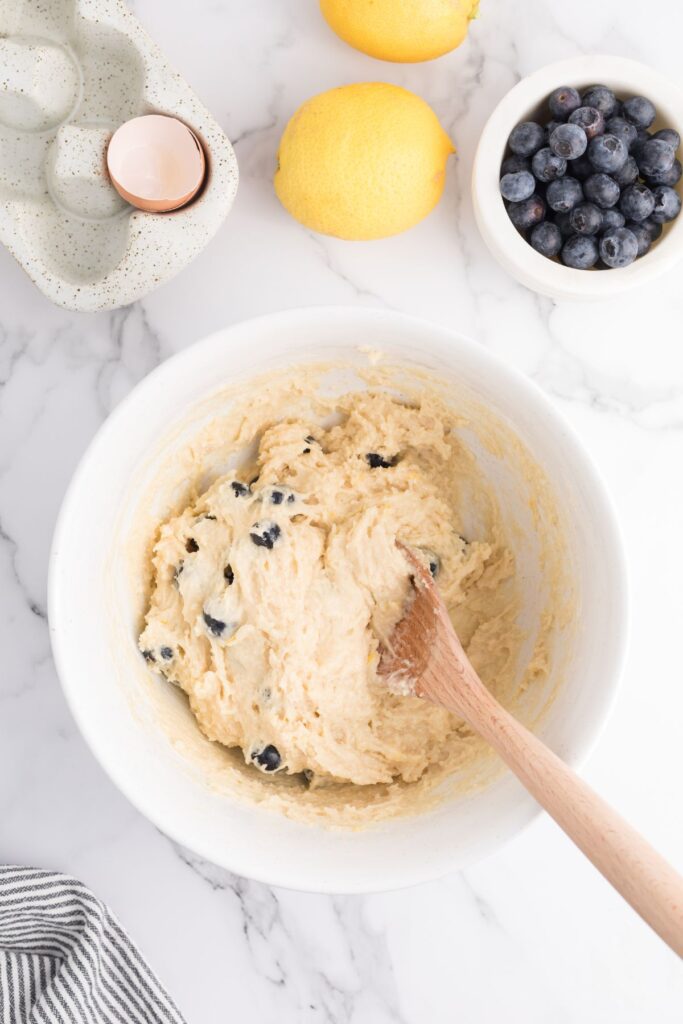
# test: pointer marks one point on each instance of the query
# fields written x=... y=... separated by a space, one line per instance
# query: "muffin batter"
x=274 y=588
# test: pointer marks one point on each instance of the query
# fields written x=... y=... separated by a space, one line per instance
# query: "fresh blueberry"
x=607 y=153
x=191 y=545
x=602 y=98
x=569 y=141
x=525 y=215
x=562 y=222
x=627 y=174
x=581 y=168
x=590 y=119
x=229 y=575
x=602 y=190
x=643 y=236
x=640 y=111
x=265 y=534
x=618 y=247
x=668 y=135
x=166 y=653
x=655 y=157
x=547 y=166
x=240 y=490
x=148 y=656
x=267 y=758
x=517 y=187
x=563 y=194
x=586 y=219
x=580 y=252
x=654 y=229
x=637 y=202
x=551 y=126
x=215 y=626
x=511 y=165
x=667 y=204
x=623 y=130
x=612 y=218
x=563 y=102
x=527 y=138
x=546 y=238
x=377 y=461
x=670 y=177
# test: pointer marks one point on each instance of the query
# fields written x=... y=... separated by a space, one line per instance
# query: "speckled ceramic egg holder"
x=72 y=72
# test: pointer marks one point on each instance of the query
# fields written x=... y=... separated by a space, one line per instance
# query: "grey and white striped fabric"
x=64 y=958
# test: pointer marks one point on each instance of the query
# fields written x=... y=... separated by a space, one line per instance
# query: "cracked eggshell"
x=77 y=71
x=156 y=163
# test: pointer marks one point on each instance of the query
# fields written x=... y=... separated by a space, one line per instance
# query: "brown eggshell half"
x=156 y=163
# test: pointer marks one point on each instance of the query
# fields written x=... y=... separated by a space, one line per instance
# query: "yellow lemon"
x=401 y=30
x=362 y=161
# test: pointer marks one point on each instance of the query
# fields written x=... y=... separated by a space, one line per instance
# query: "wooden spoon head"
x=424 y=656
x=407 y=653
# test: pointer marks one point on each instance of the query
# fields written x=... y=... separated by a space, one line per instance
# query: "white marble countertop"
x=532 y=934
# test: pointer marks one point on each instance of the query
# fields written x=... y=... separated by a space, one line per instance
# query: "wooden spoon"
x=425 y=649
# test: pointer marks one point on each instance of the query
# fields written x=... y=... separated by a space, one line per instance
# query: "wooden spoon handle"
x=635 y=869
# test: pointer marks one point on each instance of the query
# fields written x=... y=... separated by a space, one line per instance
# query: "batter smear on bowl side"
x=273 y=590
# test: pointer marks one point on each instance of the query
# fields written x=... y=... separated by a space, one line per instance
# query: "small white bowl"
x=524 y=103
x=93 y=622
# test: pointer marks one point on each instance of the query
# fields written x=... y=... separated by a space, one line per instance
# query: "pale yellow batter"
x=274 y=588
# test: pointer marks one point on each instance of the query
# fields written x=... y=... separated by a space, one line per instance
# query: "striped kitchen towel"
x=65 y=959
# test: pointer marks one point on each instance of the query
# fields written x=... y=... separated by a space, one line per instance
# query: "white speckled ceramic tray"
x=72 y=72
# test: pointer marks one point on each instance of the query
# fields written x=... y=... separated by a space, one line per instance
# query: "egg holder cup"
x=73 y=71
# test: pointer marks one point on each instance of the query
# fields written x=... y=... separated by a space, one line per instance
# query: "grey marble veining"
x=532 y=934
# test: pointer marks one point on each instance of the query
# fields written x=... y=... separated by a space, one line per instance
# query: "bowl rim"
x=512 y=251
x=583 y=743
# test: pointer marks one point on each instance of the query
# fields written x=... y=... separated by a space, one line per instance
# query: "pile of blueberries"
x=592 y=186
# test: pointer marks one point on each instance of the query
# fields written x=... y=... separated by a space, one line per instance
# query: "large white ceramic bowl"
x=93 y=627
x=525 y=102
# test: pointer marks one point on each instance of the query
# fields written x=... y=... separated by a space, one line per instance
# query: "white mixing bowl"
x=93 y=623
